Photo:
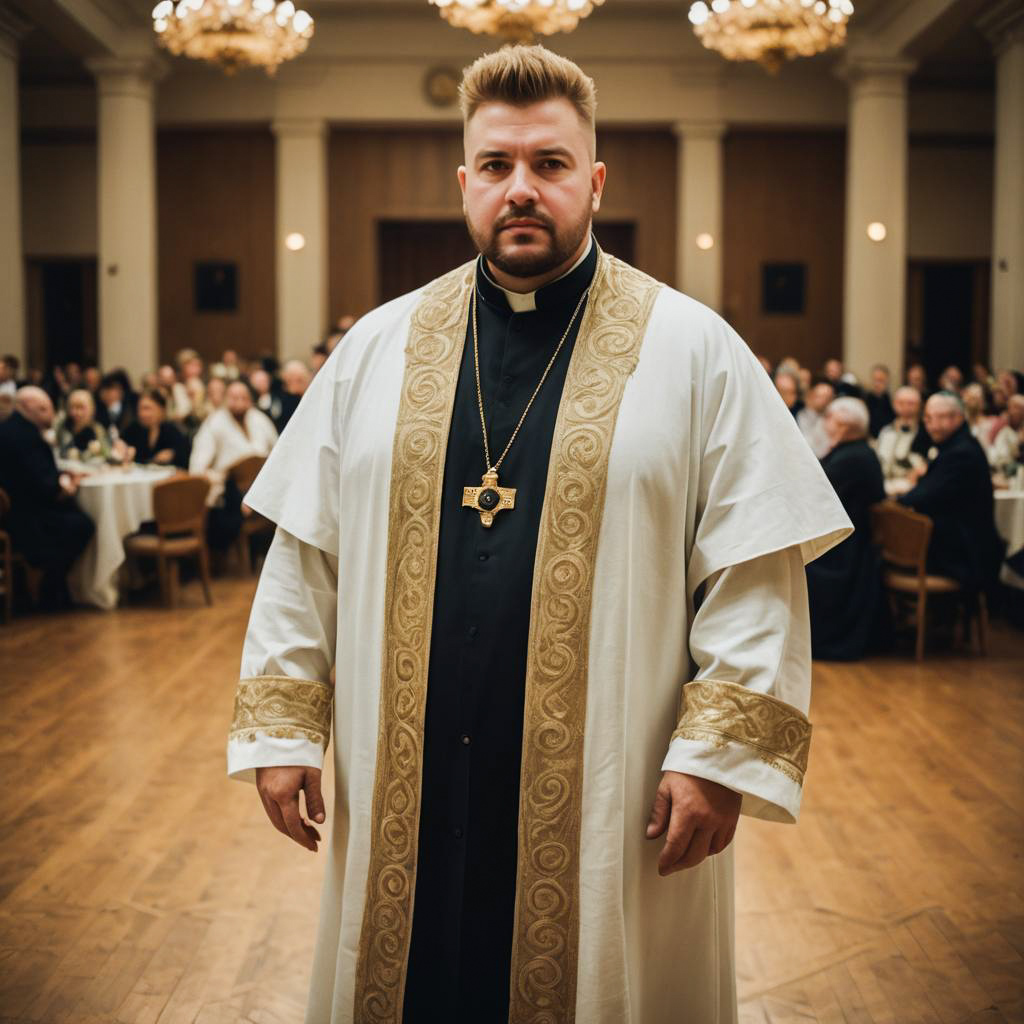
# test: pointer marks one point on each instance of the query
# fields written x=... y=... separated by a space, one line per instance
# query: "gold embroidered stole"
x=544 y=960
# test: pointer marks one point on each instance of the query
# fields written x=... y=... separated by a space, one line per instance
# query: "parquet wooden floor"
x=138 y=885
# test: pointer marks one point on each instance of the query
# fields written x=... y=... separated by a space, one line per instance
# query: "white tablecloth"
x=1010 y=524
x=118 y=501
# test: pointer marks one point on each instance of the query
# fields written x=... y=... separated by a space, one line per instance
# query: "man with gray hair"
x=848 y=610
x=955 y=490
x=904 y=436
x=45 y=523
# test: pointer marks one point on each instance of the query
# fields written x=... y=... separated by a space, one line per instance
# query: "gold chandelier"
x=770 y=31
x=519 y=20
x=233 y=33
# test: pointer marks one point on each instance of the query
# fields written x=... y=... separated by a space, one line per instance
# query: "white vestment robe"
x=668 y=631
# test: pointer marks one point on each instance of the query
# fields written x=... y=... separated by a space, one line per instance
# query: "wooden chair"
x=179 y=507
x=9 y=558
x=903 y=536
x=244 y=473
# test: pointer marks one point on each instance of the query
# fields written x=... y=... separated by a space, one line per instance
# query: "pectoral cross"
x=489 y=499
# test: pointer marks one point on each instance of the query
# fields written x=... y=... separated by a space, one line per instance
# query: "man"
x=507 y=687
x=227 y=435
x=811 y=418
x=1005 y=447
x=787 y=383
x=904 y=438
x=878 y=401
x=955 y=490
x=116 y=406
x=848 y=611
x=45 y=524
x=917 y=377
x=843 y=383
x=295 y=378
x=8 y=375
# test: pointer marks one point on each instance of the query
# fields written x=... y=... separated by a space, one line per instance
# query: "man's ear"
x=461 y=175
x=597 y=179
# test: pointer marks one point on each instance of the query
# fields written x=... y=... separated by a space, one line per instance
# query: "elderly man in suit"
x=45 y=524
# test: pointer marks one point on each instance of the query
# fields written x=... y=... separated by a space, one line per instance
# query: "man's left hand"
x=699 y=815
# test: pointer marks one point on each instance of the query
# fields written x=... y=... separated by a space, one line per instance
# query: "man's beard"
x=562 y=245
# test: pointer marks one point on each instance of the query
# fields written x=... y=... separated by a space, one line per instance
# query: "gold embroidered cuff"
x=284 y=708
x=719 y=713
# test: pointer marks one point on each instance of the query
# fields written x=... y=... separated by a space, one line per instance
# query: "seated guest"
x=811 y=419
x=178 y=404
x=295 y=378
x=228 y=369
x=843 y=383
x=951 y=379
x=117 y=402
x=844 y=586
x=267 y=399
x=904 y=441
x=78 y=433
x=215 y=389
x=1005 y=448
x=787 y=383
x=152 y=437
x=45 y=524
x=878 y=401
x=231 y=433
x=8 y=375
x=955 y=491
x=917 y=377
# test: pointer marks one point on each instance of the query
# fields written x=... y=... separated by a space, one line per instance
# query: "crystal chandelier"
x=233 y=33
x=519 y=20
x=770 y=31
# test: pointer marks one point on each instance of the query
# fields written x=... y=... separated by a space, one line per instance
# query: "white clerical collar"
x=526 y=302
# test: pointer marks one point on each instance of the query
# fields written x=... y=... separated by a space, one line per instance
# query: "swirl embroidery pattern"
x=436 y=336
x=544 y=956
x=282 y=707
x=719 y=712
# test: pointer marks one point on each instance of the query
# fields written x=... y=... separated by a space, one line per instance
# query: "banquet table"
x=118 y=501
x=1010 y=524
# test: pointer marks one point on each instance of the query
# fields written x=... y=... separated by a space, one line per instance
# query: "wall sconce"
x=705 y=241
x=295 y=241
x=876 y=231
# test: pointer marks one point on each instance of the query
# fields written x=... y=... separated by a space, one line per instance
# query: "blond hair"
x=521 y=75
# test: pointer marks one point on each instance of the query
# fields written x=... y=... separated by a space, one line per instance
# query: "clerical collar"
x=562 y=291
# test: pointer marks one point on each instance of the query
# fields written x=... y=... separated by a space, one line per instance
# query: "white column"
x=1006 y=29
x=699 y=188
x=875 y=273
x=301 y=238
x=12 y=259
x=127 y=213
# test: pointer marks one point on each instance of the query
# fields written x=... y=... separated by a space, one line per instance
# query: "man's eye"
x=552 y=164
x=493 y=165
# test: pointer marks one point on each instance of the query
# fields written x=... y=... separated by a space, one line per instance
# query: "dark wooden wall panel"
x=784 y=203
x=215 y=198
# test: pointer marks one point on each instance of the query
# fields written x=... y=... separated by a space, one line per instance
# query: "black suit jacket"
x=956 y=493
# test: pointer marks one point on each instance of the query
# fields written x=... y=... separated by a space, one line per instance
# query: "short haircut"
x=851 y=411
x=947 y=398
x=522 y=75
x=156 y=396
x=907 y=389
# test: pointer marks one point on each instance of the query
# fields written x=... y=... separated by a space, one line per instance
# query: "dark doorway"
x=62 y=312
x=413 y=252
x=948 y=316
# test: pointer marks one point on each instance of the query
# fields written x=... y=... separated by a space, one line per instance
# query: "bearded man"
x=548 y=520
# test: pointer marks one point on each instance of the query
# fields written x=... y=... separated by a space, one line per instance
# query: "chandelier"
x=770 y=31
x=233 y=33
x=519 y=20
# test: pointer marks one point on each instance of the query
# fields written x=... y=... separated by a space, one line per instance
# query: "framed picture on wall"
x=783 y=287
x=216 y=287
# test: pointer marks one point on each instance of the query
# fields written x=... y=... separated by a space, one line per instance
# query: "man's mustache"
x=527 y=214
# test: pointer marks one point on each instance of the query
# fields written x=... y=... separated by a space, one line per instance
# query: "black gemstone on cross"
x=488 y=499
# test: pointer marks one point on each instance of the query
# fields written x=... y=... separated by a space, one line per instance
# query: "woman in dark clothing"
x=849 y=615
x=78 y=433
x=152 y=437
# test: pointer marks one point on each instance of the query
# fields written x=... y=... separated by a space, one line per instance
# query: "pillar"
x=12 y=260
x=875 y=272
x=1004 y=24
x=699 y=186
x=301 y=237
x=126 y=153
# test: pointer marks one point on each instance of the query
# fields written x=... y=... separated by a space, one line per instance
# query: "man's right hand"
x=279 y=790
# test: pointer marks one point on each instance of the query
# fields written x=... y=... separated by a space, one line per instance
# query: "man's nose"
x=521 y=189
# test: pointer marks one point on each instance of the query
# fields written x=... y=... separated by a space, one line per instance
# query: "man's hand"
x=700 y=817
x=279 y=790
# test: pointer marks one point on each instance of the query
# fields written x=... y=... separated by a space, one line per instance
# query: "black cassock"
x=464 y=909
x=844 y=586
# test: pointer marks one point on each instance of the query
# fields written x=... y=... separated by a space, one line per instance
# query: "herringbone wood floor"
x=138 y=885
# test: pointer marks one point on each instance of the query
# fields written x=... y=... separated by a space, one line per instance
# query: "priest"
x=547 y=519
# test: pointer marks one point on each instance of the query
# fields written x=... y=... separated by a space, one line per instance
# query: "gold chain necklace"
x=489 y=498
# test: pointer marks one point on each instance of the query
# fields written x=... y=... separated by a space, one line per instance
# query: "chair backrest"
x=902 y=535
x=179 y=505
x=244 y=471
x=5 y=505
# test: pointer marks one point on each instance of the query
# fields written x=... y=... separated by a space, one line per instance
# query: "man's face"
x=906 y=403
x=260 y=381
x=941 y=419
x=529 y=186
x=786 y=387
x=238 y=400
x=166 y=376
x=916 y=377
x=1015 y=411
x=820 y=396
x=833 y=369
x=879 y=382
x=38 y=409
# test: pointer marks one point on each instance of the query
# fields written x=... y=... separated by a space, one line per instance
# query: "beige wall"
x=59 y=198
